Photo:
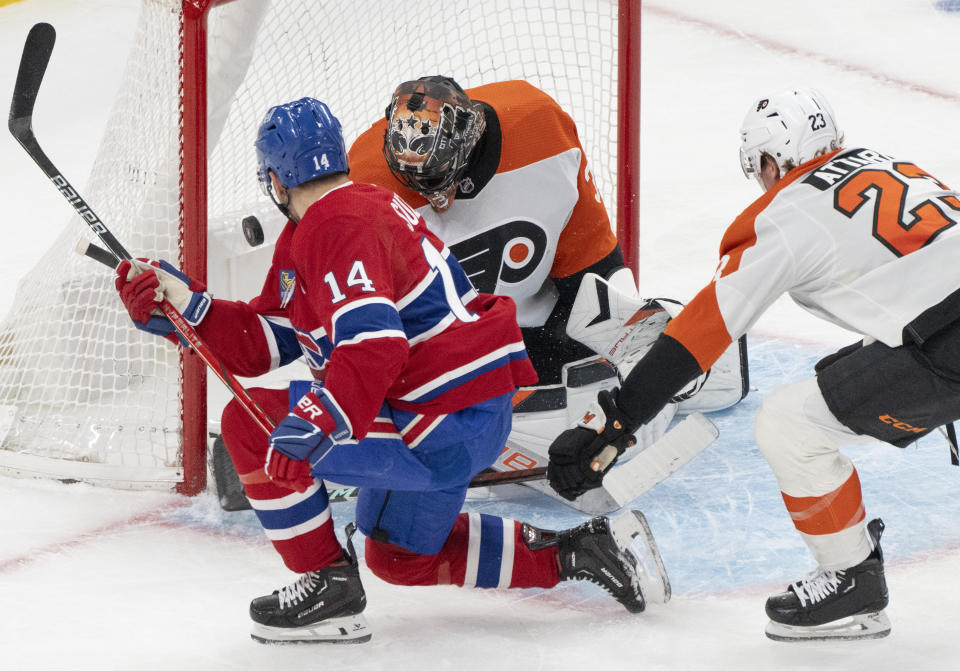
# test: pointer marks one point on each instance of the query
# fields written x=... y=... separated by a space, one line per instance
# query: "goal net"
x=83 y=394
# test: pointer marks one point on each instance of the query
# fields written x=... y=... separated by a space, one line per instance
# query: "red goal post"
x=94 y=399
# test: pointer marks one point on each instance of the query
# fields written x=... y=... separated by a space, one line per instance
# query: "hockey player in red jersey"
x=867 y=242
x=498 y=173
x=413 y=377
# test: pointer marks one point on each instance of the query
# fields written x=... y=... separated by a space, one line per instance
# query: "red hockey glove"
x=305 y=436
x=143 y=284
x=288 y=472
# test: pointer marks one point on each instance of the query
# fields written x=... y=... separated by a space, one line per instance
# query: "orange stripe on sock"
x=830 y=513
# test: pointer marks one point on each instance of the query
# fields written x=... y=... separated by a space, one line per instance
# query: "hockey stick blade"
x=656 y=463
x=33 y=65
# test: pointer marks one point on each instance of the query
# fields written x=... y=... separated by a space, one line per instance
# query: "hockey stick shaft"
x=33 y=65
x=483 y=479
x=190 y=335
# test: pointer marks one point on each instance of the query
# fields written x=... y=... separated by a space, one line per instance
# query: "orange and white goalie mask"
x=432 y=126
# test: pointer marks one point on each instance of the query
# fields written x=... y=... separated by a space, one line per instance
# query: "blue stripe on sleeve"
x=287 y=344
x=367 y=318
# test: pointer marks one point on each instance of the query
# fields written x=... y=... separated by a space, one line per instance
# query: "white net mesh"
x=351 y=54
x=82 y=393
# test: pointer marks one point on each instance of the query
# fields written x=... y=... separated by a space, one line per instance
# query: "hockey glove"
x=304 y=437
x=143 y=284
x=571 y=470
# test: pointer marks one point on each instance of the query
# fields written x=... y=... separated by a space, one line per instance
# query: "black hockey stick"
x=33 y=65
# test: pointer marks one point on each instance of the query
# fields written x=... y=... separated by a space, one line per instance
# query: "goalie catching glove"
x=143 y=284
x=304 y=437
x=576 y=462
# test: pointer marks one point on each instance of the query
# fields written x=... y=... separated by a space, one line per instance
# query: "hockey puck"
x=252 y=230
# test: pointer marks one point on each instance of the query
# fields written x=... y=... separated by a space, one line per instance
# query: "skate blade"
x=632 y=532
x=853 y=628
x=346 y=629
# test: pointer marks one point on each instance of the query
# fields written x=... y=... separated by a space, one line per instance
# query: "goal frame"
x=193 y=186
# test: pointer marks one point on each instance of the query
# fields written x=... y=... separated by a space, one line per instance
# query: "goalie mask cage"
x=84 y=395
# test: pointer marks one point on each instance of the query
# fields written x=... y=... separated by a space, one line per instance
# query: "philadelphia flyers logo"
x=509 y=253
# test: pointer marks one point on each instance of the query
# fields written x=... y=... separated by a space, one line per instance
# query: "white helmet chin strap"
x=442 y=200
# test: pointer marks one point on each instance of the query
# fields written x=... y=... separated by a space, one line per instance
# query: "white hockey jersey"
x=858 y=238
x=538 y=217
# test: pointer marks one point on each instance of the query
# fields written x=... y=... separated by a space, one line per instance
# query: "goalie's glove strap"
x=666 y=369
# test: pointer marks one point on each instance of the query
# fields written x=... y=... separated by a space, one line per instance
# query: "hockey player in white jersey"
x=865 y=241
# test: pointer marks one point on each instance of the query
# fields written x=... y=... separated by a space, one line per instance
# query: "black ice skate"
x=618 y=554
x=846 y=604
x=323 y=606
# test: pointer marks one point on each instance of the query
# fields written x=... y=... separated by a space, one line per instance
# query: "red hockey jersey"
x=379 y=308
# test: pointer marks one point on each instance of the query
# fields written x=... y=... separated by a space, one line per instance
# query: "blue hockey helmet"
x=299 y=141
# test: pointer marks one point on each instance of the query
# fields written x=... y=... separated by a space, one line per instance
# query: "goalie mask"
x=432 y=126
x=791 y=128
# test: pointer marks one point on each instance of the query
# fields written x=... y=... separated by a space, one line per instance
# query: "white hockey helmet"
x=790 y=127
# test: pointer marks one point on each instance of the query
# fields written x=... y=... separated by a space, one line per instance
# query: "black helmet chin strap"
x=283 y=207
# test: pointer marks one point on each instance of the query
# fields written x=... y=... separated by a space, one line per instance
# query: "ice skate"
x=323 y=606
x=617 y=554
x=846 y=604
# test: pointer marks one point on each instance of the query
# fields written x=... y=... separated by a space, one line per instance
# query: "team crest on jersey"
x=288 y=281
x=509 y=253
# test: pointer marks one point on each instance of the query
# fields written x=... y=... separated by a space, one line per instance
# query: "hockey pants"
x=409 y=502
